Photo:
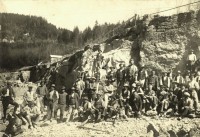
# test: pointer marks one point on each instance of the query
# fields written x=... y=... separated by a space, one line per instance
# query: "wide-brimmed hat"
x=126 y=85
x=30 y=85
x=186 y=94
x=73 y=88
x=53 y=85
x=138 y=84
x=134 y=85
x=63 y=88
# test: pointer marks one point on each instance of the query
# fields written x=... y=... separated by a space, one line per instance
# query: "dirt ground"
x=133 y=127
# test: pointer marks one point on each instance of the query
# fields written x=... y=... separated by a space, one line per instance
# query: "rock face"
x=160 y=43
x=168 y=41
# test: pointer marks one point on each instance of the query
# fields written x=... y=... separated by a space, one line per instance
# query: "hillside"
x=28 y=40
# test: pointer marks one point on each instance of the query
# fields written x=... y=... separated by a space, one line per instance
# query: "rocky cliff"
x=158 y=43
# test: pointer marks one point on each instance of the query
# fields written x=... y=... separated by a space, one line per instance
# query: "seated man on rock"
x=31 y=113
x=85 y=110
x=98 y=107
x=187 y=108
x=151 y=101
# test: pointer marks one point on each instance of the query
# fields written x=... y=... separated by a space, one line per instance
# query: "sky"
x=82 y=13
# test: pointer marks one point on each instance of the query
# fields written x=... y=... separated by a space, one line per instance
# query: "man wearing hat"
x=179 y=78
x=42 y=93
x=98 y=107
x=31 y=114
x=61 y=104
x=151 y=99
x=187 y=105
x=86 y=111
x=79 y=85
x=29 y=96
x=53 y=97
x=73 y=103
x=8 y=97
x=120 y=75
x=165 y=80
x=153 y=79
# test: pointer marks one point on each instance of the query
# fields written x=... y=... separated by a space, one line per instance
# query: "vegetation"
x=27 y=40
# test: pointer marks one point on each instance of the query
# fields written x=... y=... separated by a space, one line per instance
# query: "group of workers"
x=125 y=92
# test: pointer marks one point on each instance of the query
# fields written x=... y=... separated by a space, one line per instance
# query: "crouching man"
x=187 y=105
x=98 y=107
x=85 y=111
x=32 y=114
x=151 y=101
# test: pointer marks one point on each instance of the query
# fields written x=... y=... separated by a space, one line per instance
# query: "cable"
x=148 y=14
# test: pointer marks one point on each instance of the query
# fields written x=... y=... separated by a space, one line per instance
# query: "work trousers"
x=60 y=107
x=5 y=102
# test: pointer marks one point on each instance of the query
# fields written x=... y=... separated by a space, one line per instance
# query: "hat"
x=134 y=85
x=30 y=85
x=53 y=85
x=179 y=71
x=138 y=84
x=63 y=88
x=163 y=93
x=92 y=78
x=85 y=98
x=126 y=85
x=73 y=88
x=187 y=94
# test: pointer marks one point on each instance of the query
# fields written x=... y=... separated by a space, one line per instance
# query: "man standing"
x=80 y=86
x=191 y=60
x=8 y=97
x=53 y=97
x=61 y=104
x=132 y=71
x=73 y=103
x=153 y=80
x=179 y=79
x=29 y=96
x=42 y=93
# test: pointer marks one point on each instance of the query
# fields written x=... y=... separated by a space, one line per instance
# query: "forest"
x=27 y=40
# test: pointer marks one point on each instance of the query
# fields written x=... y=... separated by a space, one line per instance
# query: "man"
x=29 y=96
x=42 y=93
x=99 y=60
x=85 y=111
x=80 y=86
x=179 y=79
x=126 y=98
x=53 y=97
x=173 y=104
x=98 y=107
x=137 y=104
x=151 y=99
x=187 y=105
x=142 y=75
x=32 y=114
x=108 y=91
x=191 y=60
x=92 y=90
x=73 y=103
x=132 y=70
x=120 y=75
x=165 y=80
x=61 y=104
x=8 y=97
x=111 y=74
x=152 y=80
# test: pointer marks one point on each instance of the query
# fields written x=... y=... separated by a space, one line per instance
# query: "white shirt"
x=51 y=94
x=192 y=57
